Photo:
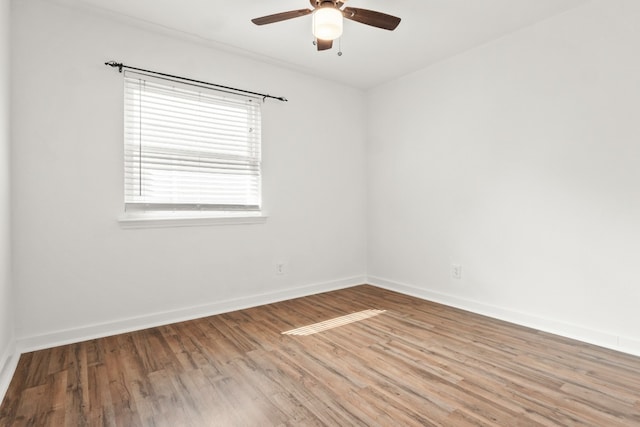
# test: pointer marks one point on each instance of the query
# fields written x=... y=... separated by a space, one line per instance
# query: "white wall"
x=6 y=306
x=519 y=161
x=76 y=268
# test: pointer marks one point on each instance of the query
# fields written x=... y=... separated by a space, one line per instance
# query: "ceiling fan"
x=327 y=19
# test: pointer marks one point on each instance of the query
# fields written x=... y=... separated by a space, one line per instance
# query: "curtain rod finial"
x=115 y=64
x=279 y=98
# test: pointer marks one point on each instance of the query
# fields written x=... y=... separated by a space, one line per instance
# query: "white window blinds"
x=188 y=147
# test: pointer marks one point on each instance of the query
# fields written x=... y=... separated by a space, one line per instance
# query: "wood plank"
x=417 y=364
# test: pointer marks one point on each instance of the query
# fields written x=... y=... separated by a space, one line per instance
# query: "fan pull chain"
x=340 y=46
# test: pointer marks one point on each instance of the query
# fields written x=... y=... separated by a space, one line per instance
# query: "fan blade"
x=324 y=44
x=270 y=19
x=371 y=17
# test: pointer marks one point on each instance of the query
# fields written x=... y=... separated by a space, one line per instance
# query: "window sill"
x=167 y=219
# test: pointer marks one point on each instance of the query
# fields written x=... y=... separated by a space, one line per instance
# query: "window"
x=190 y=148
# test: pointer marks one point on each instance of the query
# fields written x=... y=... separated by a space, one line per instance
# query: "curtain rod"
x=120 y=66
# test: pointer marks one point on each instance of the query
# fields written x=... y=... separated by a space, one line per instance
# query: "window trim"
x=134 y=220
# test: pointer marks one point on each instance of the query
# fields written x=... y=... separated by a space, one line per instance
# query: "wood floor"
x=414 y=363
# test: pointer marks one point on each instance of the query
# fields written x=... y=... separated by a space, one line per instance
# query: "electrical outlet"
x=456 y=271
x=280 y=269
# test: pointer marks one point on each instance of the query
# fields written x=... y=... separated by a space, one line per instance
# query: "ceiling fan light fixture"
x=327 y=23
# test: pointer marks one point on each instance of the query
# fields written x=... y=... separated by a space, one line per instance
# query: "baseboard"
x=9 y=360
x=8 y=365
x=68 y=336
x=580 y=333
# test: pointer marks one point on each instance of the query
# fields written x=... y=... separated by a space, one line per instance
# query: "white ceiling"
x=430 y=31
